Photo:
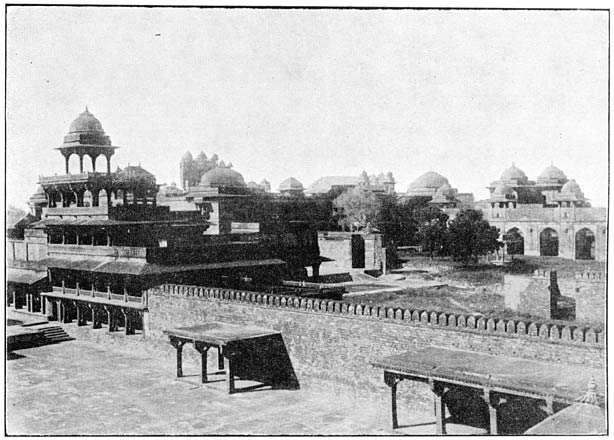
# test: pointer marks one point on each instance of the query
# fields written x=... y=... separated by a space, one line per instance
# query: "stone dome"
x=86 y=123
x=428 y=181
x=572 y=187
x=135 y=173
x=552 y=174
x=187 y=157
x=222 y=177
x=291 y=184
x=513 y=173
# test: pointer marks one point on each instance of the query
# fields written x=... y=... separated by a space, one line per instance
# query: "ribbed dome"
x=222 y=177
x=86 y=123
x=187 y=157
x=513 y=173
x=552 y=174
x=291 y=184
x=431 y=180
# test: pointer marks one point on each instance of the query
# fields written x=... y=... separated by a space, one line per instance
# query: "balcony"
x=70 y=178
x=84 y=251
x=98 y=211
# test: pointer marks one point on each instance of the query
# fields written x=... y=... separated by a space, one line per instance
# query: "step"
x=56 y=334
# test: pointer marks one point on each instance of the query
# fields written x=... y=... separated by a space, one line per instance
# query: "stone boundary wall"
x=552 y=331
x=332 y=344
x=597 y=277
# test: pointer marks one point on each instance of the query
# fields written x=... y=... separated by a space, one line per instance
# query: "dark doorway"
x=358 y=252
x=514 y=241
x=585 y=244
x=549 y=243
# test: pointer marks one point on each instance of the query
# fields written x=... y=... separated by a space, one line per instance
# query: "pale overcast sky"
x=308 y=93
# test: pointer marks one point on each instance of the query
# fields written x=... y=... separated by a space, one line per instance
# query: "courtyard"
x=84 y=388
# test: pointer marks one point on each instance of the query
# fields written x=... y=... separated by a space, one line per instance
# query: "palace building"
x=94 y=241
x=547 y=217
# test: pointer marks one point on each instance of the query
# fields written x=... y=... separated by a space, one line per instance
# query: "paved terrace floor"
x=83 y=388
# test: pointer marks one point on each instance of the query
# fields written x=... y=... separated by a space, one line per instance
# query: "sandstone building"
x=547 y=217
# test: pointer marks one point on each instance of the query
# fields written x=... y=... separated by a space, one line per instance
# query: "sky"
x=310 y=93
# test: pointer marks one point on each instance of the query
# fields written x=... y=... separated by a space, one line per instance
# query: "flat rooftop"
x=81 y=387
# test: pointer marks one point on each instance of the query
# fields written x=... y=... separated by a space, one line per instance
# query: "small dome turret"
x=291 y=184
x=86 y=122
x=513 y=175
x=552 y=175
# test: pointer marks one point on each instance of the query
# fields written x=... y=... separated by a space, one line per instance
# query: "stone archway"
x=88 y=198
x=585 y=244
x=514 y=241
x=549 y=243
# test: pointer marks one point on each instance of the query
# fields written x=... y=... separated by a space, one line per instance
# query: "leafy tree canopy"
x=358 y=208
x=432 y=230
x=471 y=236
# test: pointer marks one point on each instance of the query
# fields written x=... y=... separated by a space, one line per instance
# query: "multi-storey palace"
x=95 y=240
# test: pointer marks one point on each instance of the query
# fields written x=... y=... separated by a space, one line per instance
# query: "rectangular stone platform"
x=227 y=338
x=495 y=376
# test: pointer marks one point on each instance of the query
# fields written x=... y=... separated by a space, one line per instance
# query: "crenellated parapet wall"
x=545 y=330
x=333 y=343
x=591 y=276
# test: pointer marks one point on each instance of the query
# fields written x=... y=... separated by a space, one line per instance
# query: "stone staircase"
x=55 y=334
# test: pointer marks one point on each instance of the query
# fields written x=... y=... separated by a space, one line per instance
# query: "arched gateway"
x=514 y=241
x=549 y=243
x=585 y=244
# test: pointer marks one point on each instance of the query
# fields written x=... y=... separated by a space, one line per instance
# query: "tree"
x=358 y=208
x=471 y=236
x=432 y=230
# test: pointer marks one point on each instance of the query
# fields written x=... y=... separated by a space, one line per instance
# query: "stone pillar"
x=67 y=157
x=145 y=323
x=81 y=163
x=60 y=311
x=316 y=272
x=392 y=381
x=202 y=349
x=493 y=404
x=127 y=323
x=79 y=317
x=109 y=319
x=108 y=169
x=440 y=407
x=178 y=344
x=49 y=308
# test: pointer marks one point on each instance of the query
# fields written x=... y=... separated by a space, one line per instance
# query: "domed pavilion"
x=86 y=137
